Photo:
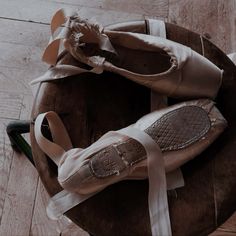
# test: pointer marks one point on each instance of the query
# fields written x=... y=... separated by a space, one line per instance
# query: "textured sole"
x=175 y=130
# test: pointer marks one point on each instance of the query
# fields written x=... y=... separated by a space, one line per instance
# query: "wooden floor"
x=24 y=33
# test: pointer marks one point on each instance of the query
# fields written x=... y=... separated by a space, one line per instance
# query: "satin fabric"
x=65 y=200
x=186 y=76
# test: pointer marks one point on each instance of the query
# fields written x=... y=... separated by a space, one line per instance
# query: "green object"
x=15 y=129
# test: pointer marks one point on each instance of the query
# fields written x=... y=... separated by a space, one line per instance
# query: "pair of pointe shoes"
x=181 y=131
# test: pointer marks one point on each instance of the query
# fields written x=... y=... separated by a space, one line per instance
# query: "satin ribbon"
x=75 y=32
x=157 y=196
x=65 y=200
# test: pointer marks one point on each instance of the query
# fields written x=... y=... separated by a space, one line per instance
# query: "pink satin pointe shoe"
x=158 y=63
x=164 y=66
x=181 y=131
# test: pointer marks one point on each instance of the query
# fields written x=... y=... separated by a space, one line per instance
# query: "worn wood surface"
x=214 y=19
x=228 y=228
x=24 y=33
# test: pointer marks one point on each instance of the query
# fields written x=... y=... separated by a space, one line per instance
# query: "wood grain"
x=19 y=64
x=107 y=17
x=24 y=33
x=213 y=19
x=226 y=25
x=27 y=103
x=14 y=80
x=20 y=197
x=73 y=230
x=20 y=56
x=21 y=49
x=36 y=11
x=41 y=225
x=42 y=11
x=148 y=7
x=5 y=162
x=223 y=233
x=21 y=184
x=10 y=104
x=228 y=228
x=180 y=13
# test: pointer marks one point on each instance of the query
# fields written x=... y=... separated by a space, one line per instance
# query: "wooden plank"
x=37 y=35
x=25 y=112
x=193 y=14
x=19 y=201
x=106 y=17
x=148 y=7
x=220 y=18
x=20 y=191
x=37 y=11
x=21 y=50
x=229 y=225
x=222 y=233
x=20 y=56
x=42 y=11
x=233 y=27
x=41 y=225
x=27 y=103
x=24 y=33
x=226 y=34
x=202 y=11
x=14 y=80
x=19 y=64
x=216 y=14
x=227 y=229
x=10 y=104
x=180 y=12
x=73 y=230
x=5 y=162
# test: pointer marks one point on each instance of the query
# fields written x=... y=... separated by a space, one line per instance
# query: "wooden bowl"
x=90 y=105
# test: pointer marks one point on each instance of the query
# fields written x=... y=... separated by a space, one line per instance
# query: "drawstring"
x=61 y=140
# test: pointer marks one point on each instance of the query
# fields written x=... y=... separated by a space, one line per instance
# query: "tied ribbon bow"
x=77 y=35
